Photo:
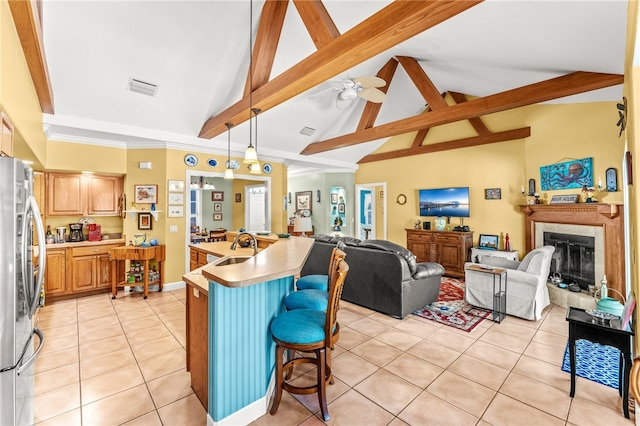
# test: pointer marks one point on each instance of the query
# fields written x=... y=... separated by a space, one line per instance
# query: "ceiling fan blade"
x=366 y=82
x=372 y=95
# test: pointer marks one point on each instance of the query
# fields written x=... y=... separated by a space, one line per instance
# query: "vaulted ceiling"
x=488 y=56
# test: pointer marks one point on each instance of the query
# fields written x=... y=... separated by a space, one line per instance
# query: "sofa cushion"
x=409 y=257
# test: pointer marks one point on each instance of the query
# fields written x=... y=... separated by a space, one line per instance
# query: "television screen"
x=451 y=202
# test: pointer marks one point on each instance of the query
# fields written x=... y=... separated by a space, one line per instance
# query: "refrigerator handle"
x=33 y=299
x=33 y=357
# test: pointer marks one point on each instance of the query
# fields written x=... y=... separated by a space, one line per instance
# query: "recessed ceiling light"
x=142 y=87
x=307 y=131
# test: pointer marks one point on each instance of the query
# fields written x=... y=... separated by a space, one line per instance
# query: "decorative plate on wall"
x=233 y=164
x=190 y=160
x=266 y=168
x=212 y=162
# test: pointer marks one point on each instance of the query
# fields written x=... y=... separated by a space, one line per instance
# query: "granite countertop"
x=282 y=259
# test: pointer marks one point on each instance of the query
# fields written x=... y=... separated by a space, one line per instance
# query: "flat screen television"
x=450 y=202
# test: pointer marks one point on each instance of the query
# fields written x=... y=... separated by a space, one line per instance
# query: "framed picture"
x=492 y=194
x=334 y=198
x=175 y=211
x=176 y=186
x=341 y=208
x=217 y=207
x=145 y=194
x=318 y=196
x=217 y=196
x=217 y=216
x=488 y=242
x=381 y=194
x=238 y=197
x=303 y=200
x=144 y=221
x=567 y=174
x=176 y=198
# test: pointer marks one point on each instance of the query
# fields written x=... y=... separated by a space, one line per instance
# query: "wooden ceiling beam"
x=266 y=44
x=559 y=87
x=423 y=83
x=319 y=24
x=507 y=135
x=397 y=22
x=371 y=109
x=476 y=122
x=29 y=27
x=420 y=135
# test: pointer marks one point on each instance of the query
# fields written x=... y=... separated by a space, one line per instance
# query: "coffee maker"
x=75 y=233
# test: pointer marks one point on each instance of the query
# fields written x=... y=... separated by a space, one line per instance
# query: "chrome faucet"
x=253 y=237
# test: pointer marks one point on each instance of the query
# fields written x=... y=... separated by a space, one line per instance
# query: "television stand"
x=450 y=249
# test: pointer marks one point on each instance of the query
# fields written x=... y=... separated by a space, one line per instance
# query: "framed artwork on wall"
x=217 y=196
x=145 y=194
x=176 y=186
x=175 y=211
x=144 y=221
x=304 y=200
x=217 y=207
x=217 y=216
x=567 y=174
x=492 y=194
x=176 y=198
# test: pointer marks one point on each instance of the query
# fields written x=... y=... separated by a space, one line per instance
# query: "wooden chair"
x=217 y=235
x=306 y=330
x=318 y=281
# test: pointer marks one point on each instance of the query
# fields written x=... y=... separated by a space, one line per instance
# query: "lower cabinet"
x=77 y=270
x=198 y=342
x=55 y=272
x=450 y=249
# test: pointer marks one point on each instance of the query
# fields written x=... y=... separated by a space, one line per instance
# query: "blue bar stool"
x=306 y=330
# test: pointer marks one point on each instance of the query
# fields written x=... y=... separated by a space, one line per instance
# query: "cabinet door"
x=103 y=195
x=449 y=255
x=55 y=273
x=197 y=343
x=83 y=273
x=64 y=194
x=103 y=271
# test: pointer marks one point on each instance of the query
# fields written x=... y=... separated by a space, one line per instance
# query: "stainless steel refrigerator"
x=22 y=264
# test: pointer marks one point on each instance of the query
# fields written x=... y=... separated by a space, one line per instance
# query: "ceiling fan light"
x=348 y=94
x=250 y=155
x=228 y=173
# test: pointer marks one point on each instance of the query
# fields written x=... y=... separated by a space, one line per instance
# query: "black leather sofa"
x=383 y=276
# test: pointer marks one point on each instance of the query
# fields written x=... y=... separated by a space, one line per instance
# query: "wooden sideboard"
x=450 y=249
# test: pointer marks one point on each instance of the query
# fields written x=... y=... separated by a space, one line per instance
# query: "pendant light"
x=228 y=173
x=255 y=168
x=250 y=155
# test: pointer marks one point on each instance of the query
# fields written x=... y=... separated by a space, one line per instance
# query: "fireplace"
x=574 y=258
x=602 y=222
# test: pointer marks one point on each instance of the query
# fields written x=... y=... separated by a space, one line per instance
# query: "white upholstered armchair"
x=527 y=293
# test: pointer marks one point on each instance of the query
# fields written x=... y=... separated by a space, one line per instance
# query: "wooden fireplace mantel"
x=609 y=216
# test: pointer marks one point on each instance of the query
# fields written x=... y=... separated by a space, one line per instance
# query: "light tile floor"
x=111 y=362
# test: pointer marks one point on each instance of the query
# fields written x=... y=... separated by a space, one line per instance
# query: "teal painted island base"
x=241 y=350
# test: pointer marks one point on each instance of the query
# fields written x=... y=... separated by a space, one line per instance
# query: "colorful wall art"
x=567 y=175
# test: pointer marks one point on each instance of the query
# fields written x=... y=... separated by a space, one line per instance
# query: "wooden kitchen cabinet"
x=91 y=268
x=73 y=194
x=450 y=249
x=197 y=342
x=55 y=273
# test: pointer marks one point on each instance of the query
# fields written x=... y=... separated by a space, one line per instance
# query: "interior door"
x=256 y=208
x=371 y=206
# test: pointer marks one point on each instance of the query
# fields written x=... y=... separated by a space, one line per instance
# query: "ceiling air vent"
x=142 y=87
x=307 y=131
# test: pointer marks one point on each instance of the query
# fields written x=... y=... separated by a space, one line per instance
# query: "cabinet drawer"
x=93 y=250
x=451 y=239
x=420 y=237
x=202 y=258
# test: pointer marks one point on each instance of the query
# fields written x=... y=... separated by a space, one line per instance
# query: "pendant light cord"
x=250 y=70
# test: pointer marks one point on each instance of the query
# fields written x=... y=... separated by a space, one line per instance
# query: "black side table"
x=583 y=326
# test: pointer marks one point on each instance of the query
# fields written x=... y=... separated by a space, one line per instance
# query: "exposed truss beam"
x=371 y=109
x=29 y=27
x=444 y=146
x=266 y=44
x=319 y=24
x=397 y=22
x=423 y=83
x=476 y=122
x=559 y=87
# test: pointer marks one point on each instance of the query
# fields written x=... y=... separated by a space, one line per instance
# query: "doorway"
x=371 y=208
x=255 y=212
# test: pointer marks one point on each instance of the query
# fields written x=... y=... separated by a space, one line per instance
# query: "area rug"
x=451 y=309
x=596 y=362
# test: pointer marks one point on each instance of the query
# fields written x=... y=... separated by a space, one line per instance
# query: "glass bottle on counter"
x=49 y=237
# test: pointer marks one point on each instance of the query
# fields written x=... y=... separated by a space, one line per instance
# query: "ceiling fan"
x=351 y=88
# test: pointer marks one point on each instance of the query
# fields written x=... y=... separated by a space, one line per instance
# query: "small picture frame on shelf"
x=217 y=196
x=334 y=198
x=144 y=221
x=217 y=207
x=492 y=194
x=217 y=216
x=145 y=194
x=341 y=208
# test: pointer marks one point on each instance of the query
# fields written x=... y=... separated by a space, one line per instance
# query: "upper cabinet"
x=76 y=194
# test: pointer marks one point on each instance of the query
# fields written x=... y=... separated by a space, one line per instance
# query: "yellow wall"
x=558 y=132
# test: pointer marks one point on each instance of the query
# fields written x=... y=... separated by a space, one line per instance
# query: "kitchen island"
x=229 y=309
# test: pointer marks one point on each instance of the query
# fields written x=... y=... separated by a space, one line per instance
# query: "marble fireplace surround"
x=597 y=219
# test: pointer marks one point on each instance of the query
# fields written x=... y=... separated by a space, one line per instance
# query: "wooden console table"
x=450 y=249
x=142 y=254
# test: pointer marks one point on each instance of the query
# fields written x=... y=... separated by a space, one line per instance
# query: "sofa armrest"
x=428 y=269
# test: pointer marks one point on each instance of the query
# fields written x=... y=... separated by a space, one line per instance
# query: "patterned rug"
x=451 y=309
x=598 y=363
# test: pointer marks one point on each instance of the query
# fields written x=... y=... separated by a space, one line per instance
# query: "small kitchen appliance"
x=75 y=232
x=60 y=234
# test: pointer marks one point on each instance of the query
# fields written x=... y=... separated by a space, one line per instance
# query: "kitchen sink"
x=232 y=260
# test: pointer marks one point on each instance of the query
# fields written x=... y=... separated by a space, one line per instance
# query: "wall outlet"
x=173 y=228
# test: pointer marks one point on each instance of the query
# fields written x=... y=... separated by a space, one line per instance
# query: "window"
x=195 y=208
